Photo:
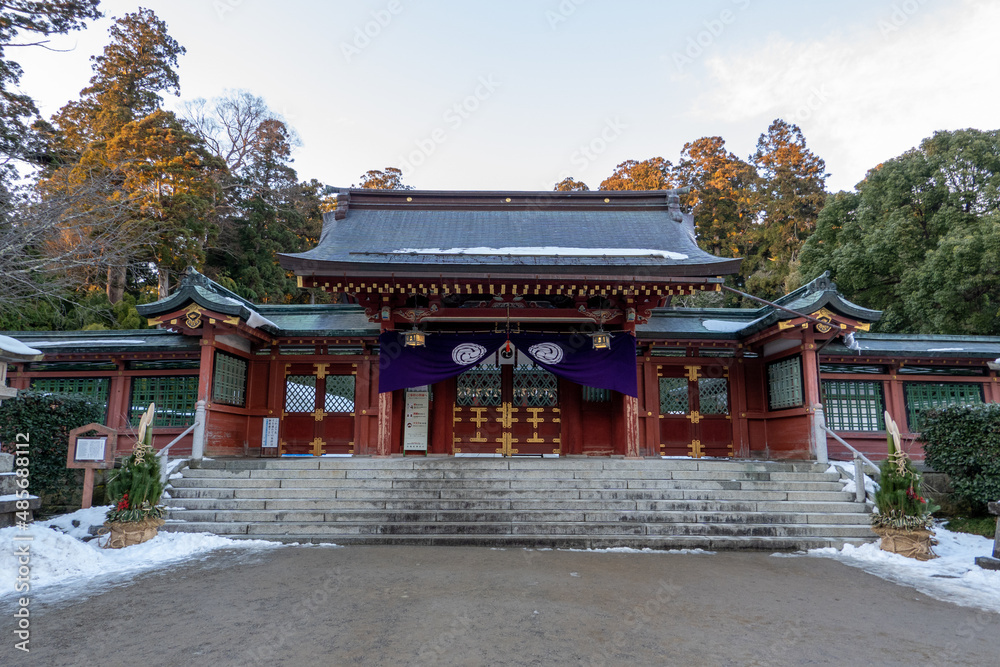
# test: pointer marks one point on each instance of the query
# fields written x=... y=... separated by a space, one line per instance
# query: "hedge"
x=964 y=442
x=47 y=420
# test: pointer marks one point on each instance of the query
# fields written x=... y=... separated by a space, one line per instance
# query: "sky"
x=518 y=94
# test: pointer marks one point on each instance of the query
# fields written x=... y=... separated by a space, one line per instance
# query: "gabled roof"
x=203 y=291
x=110 y=342
x=821 y=292
x=931 y=346
x=738 y=323
x=626 y=234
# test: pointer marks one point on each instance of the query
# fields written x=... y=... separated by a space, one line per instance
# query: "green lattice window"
x=853 y=405
x=229 y=386
x=674 y=396
x=713 y=396
x=479 y=386
x=94 y=389
x=596 y=395
x=339 y=393
x=300 y=393
x=784 y=383
x=174 y=396
x=921 y=396
x=535 y=387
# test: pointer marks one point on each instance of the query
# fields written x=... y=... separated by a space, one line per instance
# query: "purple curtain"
x=569 y=356
x=573 y=357
x=444 y=356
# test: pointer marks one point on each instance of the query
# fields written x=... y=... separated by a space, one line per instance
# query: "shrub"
x=964 y=443
x=47 y=419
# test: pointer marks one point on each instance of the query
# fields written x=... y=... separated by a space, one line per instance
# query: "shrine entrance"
x=506 y=409
x=695 y=417
x=318 y=415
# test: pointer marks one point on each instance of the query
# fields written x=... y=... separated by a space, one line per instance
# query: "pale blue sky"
x=547 y=88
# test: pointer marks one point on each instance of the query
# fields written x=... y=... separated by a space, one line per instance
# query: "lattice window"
x=853 y=405
x=300 y=393
x=174 y=396
x=480 y=386
x=94 y=389
x=921 y=396
x=713 y=396
x=596 y=395
x=229 y=385
x=535 y=387
x=784 y=383
x=339 y=393
x=674 y=396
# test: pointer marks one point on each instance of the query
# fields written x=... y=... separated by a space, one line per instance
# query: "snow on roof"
x=15 y=346
x=256 y=319
x=88 y=341
x=724 y=326
x=549 y=251
x=946 y=349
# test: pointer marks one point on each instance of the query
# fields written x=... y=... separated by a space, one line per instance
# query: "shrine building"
x=513 y=324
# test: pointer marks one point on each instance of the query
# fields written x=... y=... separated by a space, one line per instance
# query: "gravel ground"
x=475 y=606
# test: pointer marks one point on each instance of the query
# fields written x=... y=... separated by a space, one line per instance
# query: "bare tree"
x=229 y=125
x=51 y=244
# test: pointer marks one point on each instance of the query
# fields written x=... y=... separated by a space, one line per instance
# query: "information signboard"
x=416 y=416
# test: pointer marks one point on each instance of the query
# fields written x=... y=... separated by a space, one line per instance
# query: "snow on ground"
x=953 y=576
x=58 y=557
x=644 y=550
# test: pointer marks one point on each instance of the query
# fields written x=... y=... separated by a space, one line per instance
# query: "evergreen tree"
x=791 y=194
x=920 y=238
x=117 y=134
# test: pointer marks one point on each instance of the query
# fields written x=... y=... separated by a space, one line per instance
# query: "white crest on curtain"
x=548 y=353
x=467 y=353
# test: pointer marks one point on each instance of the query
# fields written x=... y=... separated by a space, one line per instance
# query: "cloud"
x=868 y=95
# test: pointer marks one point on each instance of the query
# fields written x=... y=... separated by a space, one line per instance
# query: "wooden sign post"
x=91 y=447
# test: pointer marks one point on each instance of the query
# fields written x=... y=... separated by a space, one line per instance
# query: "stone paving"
x=398 y=605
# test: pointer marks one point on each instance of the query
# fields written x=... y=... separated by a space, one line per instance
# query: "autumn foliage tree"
x=652 y=174
x=722 y=197
x=390 y=178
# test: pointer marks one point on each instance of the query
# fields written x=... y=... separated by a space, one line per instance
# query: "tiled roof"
x=616 y=233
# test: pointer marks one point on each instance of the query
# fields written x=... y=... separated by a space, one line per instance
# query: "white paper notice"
x=416 y=415
x=90 y=449
x=269 y=437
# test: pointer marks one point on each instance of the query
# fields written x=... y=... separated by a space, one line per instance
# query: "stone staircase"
x=521 y=502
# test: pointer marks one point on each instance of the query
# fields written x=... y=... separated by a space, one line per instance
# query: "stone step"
x=531 y=542
x=541 y=473
x=510 y=515
x=565 y=463
x=554 y=528
x=565 y=502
